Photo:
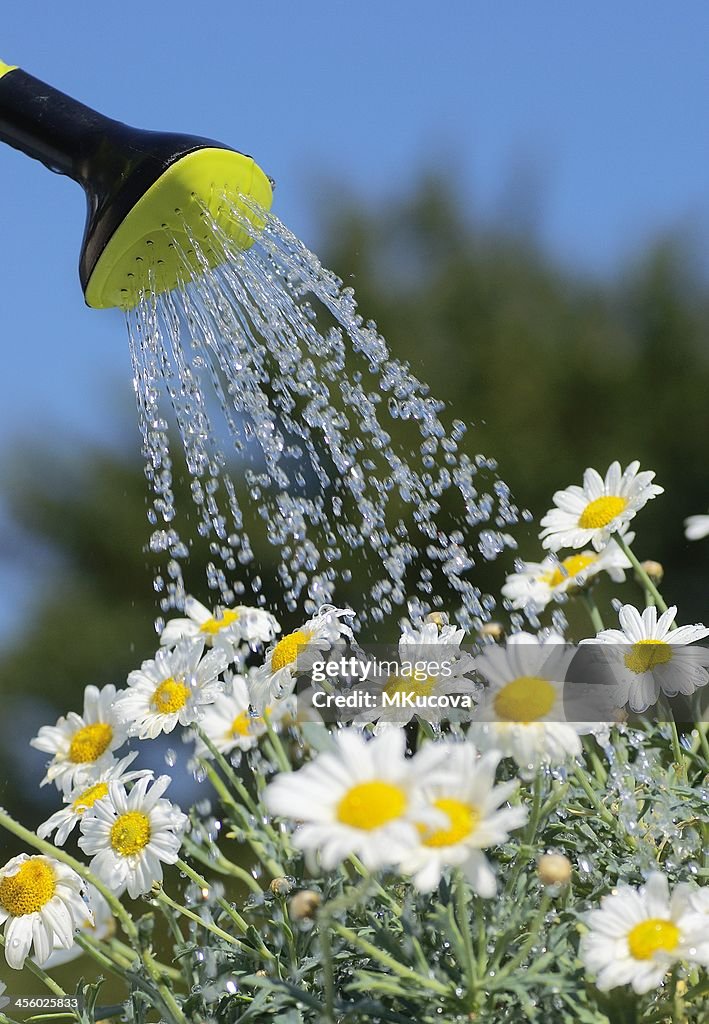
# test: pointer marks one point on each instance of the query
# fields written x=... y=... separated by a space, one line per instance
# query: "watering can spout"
x=149 y=194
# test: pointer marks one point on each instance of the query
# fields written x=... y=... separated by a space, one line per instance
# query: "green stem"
x=236 y=917
x=277 y=746
x=537 y=793
x=678 y=990
x=364 y=872
x=592 y=609
x=677 y=746
x=228 y=771
x=240 y=789
x=387 y=960
x=482 y=937
x=185 y=974
x=221 y=789
x=230 y=803
x=526 y=848
x=534 y=929
x=600 y=807
x=461 y=893
x=599 y=770
x=109 y=961
x=288 y=931
x=162 y=897
x=119 y=950
x=703 y=742
x=169 y=1001
x=328 y=971
x=663 y=705
x=101 y=956
x=218 y=862
x=645 y=579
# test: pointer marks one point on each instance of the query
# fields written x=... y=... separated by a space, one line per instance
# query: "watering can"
x=151 y=196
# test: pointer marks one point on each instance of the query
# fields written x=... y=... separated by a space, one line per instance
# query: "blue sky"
x=596 y=111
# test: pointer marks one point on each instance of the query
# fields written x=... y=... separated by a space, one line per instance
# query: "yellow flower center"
x=170 y=696
x=241 y=726
x=601 y=511
x=407 y=684
x=370 y=805
x=286 y=650
x=462 y=821
x=89 y=797
x=645 y=655
x=570 y=568
x=29 y=889
x=214 y=625
x=651 y=936
x=525 y=699
x=130 y=833
x=89 y=743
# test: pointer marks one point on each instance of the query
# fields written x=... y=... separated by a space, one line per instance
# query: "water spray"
x=256 y=351
x=149 y=194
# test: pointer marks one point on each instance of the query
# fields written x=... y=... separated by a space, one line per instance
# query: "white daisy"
x=523 y=712
x=231 y=723
x=699 y=919
x=432 y=665
x=591 y=513
x=82 y=745
x=40 y=905
x=297 y=652
x=465 y=792
x=130 y=835
x=537 y=584
x=103 y=926
x=696 y=527
x=227 y=628
x=638 y=934
x=170 y=689
x=83 y=798
x=648 y=656
x=363 y=798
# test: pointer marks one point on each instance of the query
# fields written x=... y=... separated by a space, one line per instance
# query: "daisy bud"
x=493 y=630
x=304 y=904
x=655 y=570
x=554 y=869
x=281 y=886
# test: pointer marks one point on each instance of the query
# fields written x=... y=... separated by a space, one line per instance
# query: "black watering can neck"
x=46 y=124
x=113 y=162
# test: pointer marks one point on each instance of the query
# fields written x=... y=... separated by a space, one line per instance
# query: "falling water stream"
x=301 y=431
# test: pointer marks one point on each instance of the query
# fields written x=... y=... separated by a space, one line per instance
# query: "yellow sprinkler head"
x=152 y=246
x=150 y=195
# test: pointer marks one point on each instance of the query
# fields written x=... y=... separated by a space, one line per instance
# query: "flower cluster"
x=439 y=815
x=129 y=830
x=422 y=813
